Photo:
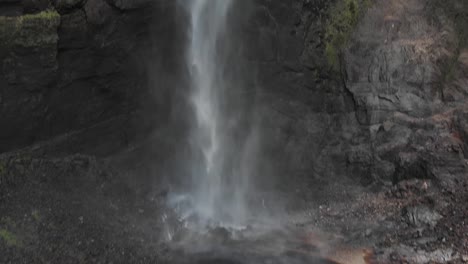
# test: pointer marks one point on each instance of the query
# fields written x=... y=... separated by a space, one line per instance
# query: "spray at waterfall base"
x=221 y=145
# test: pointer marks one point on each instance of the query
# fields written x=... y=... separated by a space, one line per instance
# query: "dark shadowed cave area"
x=347 y=118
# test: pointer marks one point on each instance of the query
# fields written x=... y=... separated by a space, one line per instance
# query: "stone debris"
x=421 y=215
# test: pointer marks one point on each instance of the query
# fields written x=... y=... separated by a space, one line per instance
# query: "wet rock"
x=461 y=121
x=34 y=6
x=383 y=122
x=64 y=6
x=28 y=51
x=419 y=216
x=11 y=8
x=384 y=171
x=401 y=120
x=82 y=56
x=220 y=234
x=98 y=12
x=412 y=188
x=410 y=255
x=438 y=256
x=73 y=30
x=362 y=155
x=129 y=4
x=426 y=240
x=412 y=166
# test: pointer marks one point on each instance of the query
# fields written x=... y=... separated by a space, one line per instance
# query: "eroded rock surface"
x=387 y=111
x=395 y=72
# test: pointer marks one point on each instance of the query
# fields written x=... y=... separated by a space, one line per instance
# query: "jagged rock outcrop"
x=395 y=66
x=370 y=98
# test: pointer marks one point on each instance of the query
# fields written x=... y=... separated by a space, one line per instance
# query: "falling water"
x=220 y=175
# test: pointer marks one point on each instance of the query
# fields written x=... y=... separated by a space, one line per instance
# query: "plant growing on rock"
x=9 y=238
x=343 y=19
x=29 y=30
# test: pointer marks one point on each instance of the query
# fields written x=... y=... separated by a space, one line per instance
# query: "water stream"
x=222 y=160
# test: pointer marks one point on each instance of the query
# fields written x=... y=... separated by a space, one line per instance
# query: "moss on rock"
x=9 y=238
x=31 y=30
x=343 y=18
x=36 y=215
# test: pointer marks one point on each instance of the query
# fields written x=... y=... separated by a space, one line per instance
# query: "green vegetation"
x=344 y=17
x=9 y=238
x=29 y=30
x=35 y=215
x=47 y=16
x=457 y=12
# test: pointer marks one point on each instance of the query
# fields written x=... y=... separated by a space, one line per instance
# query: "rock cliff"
x=81 y=69
x=397 y=68
x=375 y=90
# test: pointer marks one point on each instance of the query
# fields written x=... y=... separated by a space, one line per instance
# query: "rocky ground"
x=73 y=210
x=80 y=209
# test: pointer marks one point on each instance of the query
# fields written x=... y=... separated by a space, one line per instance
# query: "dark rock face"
x=303 y=107
x=82 y=68
x=393 y=72
x=389 y=113
x=382 y=118
x=28 y=51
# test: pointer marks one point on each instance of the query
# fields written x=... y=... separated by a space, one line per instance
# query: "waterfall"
x=220 y=175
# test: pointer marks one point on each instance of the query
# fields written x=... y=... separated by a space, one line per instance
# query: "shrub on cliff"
x=343 y=18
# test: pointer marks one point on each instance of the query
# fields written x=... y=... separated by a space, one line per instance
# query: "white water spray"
x=220 y=176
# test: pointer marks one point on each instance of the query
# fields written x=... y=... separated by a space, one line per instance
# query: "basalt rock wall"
x=307 y=116
x=372 y=90
x=406 y=70
x=90 y=75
